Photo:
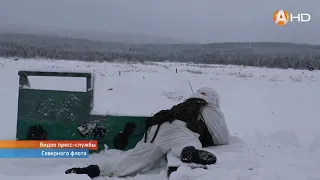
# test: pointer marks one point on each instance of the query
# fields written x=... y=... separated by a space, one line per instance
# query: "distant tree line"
x=260 y=54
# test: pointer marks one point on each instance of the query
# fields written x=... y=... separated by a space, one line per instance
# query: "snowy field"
x=273 y=116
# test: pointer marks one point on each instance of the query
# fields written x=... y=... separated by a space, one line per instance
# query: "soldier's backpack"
x=188 y=111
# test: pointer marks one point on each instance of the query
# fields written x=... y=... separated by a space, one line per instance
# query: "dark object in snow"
x=110 y=89
x=311 y=68
x=170 y=170
x=37 y=132
x=173 y=163
x=192 y=155
x=92 y=171
x=121 y=140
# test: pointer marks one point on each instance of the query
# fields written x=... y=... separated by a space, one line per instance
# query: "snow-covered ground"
x=272 y=114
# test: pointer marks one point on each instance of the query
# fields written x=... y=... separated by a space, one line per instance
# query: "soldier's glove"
x=92 y=171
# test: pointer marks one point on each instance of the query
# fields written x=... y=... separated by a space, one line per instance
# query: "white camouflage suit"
x=172 y=138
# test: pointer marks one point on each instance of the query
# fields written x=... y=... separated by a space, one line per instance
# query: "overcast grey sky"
x=195 y=20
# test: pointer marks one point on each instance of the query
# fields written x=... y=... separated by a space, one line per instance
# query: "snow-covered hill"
x=272 y=114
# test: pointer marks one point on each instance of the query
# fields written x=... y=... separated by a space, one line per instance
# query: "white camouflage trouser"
x=171 y=138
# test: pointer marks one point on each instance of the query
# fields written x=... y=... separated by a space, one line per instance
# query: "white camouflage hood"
x=208 y=94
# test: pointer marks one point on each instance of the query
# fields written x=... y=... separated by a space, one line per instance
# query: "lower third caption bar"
x=44 y=153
